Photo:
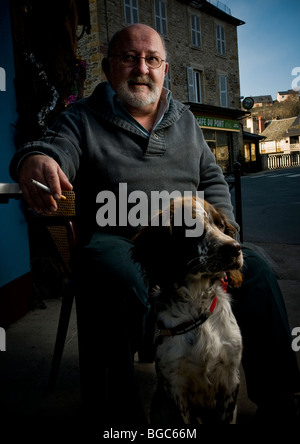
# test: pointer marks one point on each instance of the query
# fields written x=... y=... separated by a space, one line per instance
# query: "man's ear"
x=166 y=68
x=106 y=67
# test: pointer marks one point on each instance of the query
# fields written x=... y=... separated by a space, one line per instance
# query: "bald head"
x=137 y=30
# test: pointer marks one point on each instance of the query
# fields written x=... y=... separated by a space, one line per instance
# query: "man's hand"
x=46 y=170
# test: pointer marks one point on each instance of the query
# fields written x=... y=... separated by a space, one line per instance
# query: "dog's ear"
x=230 y=230
x=152 y=249
x=235 y=278
x=222 y=222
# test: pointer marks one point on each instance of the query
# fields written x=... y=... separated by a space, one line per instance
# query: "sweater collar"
x=102 y=103
x=118 y=108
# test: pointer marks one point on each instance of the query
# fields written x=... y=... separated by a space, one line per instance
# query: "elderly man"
x=131 y=132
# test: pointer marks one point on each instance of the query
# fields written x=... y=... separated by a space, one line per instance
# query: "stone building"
x=202 y=47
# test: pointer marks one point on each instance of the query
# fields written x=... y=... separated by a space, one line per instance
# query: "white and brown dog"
x=199 y=343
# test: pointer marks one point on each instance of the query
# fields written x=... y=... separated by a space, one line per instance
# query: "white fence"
x=275 y=161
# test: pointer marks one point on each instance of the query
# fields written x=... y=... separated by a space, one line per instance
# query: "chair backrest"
x=61 y=225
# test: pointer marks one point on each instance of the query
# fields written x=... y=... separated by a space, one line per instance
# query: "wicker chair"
x=62 y=228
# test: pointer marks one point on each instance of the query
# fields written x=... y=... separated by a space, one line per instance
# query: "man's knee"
x=107 y=260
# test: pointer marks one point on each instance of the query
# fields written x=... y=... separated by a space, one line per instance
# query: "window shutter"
x=223 y=90
x=191 y=87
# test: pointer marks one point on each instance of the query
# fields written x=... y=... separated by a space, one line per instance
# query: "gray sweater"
x=98 y=149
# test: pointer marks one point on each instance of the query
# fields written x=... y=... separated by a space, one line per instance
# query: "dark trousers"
x=268 y=360
x=112 y=305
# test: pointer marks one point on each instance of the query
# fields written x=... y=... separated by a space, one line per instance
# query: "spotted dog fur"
x=199 y=369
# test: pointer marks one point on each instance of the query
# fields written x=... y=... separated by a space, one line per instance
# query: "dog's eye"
x=221 y=226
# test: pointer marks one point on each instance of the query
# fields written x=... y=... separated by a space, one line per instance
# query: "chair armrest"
x=9 y=191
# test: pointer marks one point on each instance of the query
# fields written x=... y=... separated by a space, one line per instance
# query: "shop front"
x=222 y=131
x=222 y=136
x=252 y=157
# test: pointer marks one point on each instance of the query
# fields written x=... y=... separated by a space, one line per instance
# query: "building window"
x=221 y=48
x=294 y=139
x=220 y=143
x=250 y=152
x=160 y=14
x=167 y=81
x=194 y=85
x=223 y=90
x=195 y=31
x=131 y=11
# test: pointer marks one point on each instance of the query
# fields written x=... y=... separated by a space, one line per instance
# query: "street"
x=271 y=206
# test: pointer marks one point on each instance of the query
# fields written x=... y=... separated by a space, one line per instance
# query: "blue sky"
x=269 y=44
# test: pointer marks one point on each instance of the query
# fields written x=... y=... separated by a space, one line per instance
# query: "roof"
x=216 y=9
x=294 y=129
x=260 y=99
x=278 y=129
x=252 y=136
x=288 y=92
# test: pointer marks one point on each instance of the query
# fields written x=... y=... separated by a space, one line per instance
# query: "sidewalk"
x=29 y=346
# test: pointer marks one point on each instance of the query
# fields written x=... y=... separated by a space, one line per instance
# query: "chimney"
x=261 y=124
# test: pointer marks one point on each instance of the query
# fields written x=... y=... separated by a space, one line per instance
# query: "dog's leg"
x=181 y=400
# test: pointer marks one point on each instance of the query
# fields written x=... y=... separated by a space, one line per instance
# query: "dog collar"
x=186 y=326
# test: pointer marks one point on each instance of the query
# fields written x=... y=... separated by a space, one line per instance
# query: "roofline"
x=252 y=136
x=207 y=7
x=288 y=92
x=235 y=113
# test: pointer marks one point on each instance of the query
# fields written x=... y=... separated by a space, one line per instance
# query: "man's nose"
x=141 y=67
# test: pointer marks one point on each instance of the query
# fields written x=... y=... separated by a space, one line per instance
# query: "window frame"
x=160 y=17
x=195 y=85
x=223 y=90
x=220 y=40
x=195 y=30
x=131 y=11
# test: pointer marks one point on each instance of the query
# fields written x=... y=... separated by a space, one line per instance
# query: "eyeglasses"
x=131 y=60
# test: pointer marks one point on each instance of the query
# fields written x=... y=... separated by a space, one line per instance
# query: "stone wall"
x=108 y=16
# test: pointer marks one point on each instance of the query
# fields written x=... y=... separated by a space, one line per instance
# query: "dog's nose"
x=231 y=249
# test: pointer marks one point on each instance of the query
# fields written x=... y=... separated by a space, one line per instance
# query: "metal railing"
x=220 y=5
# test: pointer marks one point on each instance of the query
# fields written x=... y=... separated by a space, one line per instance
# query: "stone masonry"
x=108 y=16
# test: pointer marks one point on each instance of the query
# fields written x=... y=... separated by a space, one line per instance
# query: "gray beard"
x=135 y=99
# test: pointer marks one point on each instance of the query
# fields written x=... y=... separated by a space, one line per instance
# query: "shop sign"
x=218 y=123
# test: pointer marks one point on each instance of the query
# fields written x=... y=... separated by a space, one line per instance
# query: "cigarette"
x=45 y=188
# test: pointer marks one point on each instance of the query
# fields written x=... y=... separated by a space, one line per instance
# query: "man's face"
x=139 y=86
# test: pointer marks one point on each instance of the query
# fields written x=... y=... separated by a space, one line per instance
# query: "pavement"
x=26 y=362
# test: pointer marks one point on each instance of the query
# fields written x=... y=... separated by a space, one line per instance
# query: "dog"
x=198 y=341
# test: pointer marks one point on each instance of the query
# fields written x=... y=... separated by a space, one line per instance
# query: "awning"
x=251 y=136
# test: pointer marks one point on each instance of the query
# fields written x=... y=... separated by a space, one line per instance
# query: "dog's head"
x=191 y=237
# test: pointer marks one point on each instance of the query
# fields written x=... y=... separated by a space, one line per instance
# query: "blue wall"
x=14 y=247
